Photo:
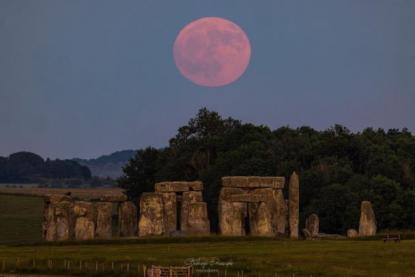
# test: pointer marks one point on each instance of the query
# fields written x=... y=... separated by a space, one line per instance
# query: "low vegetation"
x=340 y=258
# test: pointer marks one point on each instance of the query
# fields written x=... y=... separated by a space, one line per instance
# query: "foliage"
x=26 y=167
x=338 y=168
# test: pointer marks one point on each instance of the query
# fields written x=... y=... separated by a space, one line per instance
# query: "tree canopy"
x=26 y=167
x=338 y=168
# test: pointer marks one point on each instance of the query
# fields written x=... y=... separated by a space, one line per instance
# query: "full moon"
x=212 y=51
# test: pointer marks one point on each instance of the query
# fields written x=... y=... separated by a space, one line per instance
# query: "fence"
x=107 y=268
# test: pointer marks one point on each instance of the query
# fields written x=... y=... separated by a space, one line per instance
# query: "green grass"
x=346 y=257
x=20 y=239
x=20 y=219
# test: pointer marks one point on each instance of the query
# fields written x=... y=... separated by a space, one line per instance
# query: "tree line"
x=338 y=168
x=26 y=167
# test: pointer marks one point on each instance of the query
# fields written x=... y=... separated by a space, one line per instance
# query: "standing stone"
x=170 y=211
x=63 y=216
x=127 y=219
x=260 y=219
x=352 y=233
x=198 y=220
x=312 y=224
x=84 y=224
x=294 y=204
x=188 y=198
x=281 y=212
x=104 y=220
x=151 y=215
x=367 y=225
x=57 y=218
x=49 y=225
x=231 y=214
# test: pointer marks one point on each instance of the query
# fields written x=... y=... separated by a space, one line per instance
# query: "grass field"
x=20 y=219
x=20 y=223
x=341 y=258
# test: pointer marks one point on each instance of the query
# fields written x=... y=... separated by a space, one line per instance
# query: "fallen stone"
x=352 y=233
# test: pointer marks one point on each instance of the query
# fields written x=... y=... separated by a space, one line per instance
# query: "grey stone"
x=367 y=224
x=104 y=220
x=127 y=219
x=178 y=186
x=84 y=224
x=312 y=224
x=294 y=205
x=151 y=215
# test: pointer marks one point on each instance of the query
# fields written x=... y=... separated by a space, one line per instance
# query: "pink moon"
x=212 y=51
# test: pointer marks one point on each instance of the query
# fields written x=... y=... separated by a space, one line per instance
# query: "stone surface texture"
x=127 y=219
x=252 y=205
x=312 y=224
x=352 y=233
x=367 y=224
x=152 y=221
x=84 y=223
x=103 y=220
x=294 y=205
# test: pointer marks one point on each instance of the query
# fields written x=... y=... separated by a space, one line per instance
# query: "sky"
x=84 y=78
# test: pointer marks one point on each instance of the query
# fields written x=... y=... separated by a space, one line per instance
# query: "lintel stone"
x=252 y=182
x=244 y=197
x=179 y=186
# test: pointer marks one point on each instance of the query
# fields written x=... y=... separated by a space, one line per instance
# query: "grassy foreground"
x=20 y=219
x=340 y=258
x=20 y=222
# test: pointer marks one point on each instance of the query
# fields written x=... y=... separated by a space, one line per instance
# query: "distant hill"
x=108 y=165
x=27 y=167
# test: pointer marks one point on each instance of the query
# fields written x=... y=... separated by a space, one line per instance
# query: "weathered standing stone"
x=231 y=214
x=170 y=211
x=63 y=219
x=367 y=225
x=84 y=224
x=280 y=213
x=104 y=220
x=188 y=198
x=231 y=218
x=198 y=220
x=151 y=215
x=260 y=219
x=312 y=224
x=352 y=233
x=294 y=204
x=49 y=225
x=57 y=218
x=127 y=219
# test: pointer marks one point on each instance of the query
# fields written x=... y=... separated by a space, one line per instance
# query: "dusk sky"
x=82 y=78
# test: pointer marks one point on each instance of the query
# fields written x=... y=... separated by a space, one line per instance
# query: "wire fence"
x=111 y=268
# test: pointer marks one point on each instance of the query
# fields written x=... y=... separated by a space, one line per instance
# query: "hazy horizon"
x=88 y=78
